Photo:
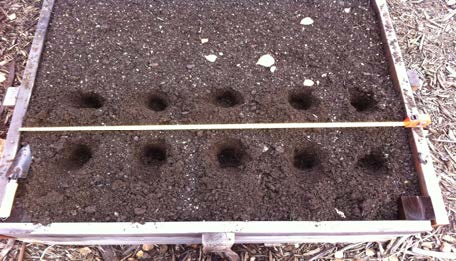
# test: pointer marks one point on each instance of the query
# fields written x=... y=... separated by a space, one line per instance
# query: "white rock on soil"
x=308 y=83
x=307 y=21
x=280 y=149
x=266 y=60
x=204 y=40
x=347 y=10
x=340 y=213
x=2 y=77
x=273 y=69
x=211 y=57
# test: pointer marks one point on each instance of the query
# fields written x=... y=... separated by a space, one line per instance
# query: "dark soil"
x=142 y=62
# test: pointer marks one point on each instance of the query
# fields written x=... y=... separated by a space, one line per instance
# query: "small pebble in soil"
x=308 y=83
x=91 y=209
x=211 y=57
x=307 y=21
x=266 y=60
x=139 y=211
x=190 y=66
x=273 y=69
x=347 y=10
x=204 y=40
x=280 y=149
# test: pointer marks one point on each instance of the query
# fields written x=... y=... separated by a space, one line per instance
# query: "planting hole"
x=374 y=163
x=154 y=155
x=157 y=102
x=306 y=158
x=227 y=98
x=77 y=156
x=362 y=101
x=88 y=100
x=231 y=155
x=302 y=100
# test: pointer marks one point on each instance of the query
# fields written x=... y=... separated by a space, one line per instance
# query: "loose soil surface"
x=142 y=62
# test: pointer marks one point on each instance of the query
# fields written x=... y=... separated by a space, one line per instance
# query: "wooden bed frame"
x=228 y=232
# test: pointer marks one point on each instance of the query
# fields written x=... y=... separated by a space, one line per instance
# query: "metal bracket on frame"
x=10 y=97
x=220 y=243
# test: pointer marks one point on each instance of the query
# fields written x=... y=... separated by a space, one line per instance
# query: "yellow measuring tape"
x=409 y=122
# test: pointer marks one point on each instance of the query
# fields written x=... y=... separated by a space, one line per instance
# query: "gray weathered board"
x=245 y=232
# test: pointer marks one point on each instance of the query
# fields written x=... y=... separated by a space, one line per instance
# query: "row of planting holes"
x=229 y=155
x=300 y=100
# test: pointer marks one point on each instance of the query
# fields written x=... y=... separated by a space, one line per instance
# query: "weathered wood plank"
x=24 y=94
x=191 y=232
x=427 y=177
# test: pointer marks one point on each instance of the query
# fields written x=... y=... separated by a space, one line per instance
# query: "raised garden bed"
x=143 y=62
